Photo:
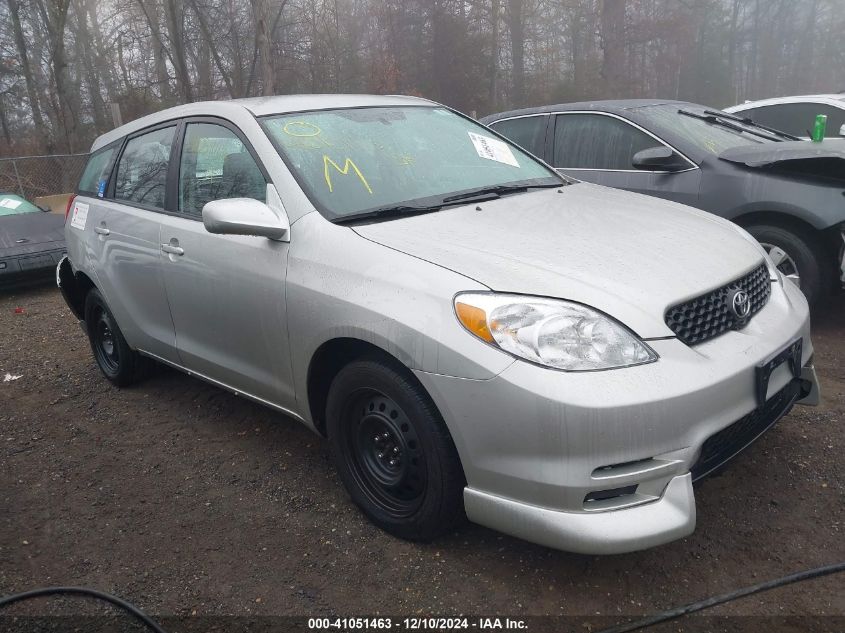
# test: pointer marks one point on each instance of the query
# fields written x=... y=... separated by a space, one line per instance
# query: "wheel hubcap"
x=783 y=262
x=384 y=453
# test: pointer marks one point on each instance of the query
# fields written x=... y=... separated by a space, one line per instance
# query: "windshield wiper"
x=496 y=191
x=747 y=121
x=720 y=119
x=476 y=195
x=384 y=213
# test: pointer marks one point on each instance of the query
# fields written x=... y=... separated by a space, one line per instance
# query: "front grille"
x=727 y=443
x=709 y=315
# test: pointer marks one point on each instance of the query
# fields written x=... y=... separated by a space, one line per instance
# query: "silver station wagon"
x=476 y=335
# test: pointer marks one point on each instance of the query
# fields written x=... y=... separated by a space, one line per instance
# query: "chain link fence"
x=34 y=177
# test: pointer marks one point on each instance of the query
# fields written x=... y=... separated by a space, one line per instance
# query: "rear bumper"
x=20 y=269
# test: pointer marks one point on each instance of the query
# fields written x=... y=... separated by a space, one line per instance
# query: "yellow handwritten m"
x=343 y=170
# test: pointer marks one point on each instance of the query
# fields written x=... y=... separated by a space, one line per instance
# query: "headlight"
x=551 y=332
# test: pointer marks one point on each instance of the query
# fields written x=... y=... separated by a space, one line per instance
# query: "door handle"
x=172 y=250
x=101 y=230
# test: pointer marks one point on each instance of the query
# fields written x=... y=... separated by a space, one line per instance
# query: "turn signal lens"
x=475 y=320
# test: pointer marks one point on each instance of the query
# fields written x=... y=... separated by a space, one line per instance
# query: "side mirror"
x=659 y=158
x=246 y=216
x=842 y=130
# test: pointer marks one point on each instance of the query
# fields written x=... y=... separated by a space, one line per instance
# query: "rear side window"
x=594 y=141
x=96 y=174
x=529 y=132
x=142 y=170
x=796 y=118
x=216 y=164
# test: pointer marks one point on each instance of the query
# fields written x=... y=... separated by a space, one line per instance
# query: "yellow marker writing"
x=343 y=170
x=301 y=129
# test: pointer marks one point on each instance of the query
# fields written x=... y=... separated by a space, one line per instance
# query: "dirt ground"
x=188 y=500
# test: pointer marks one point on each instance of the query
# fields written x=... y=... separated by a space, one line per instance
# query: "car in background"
x=786 y=192
x=32 y=241
x=796 y=115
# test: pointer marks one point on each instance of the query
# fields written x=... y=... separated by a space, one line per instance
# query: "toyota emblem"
x=739 y=303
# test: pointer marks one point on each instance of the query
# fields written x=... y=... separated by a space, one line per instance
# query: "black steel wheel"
x=118 y=362
x=393 y=451
x=384 y=453
x=102 y=340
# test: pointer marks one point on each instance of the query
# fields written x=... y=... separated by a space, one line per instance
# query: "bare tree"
x=261 y=17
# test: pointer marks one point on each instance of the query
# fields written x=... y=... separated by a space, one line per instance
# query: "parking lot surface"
x=186 y=499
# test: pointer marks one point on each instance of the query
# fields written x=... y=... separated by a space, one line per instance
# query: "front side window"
x=95 y=176
x=797 y=119
x=355 y=160
x=142 y=170
x=529 y=132
x=595 y=141
x=216 y=164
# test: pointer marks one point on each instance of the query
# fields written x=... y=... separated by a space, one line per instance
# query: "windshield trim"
x=308 y=190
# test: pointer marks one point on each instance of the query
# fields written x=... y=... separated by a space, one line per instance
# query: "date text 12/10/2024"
x=416 y=624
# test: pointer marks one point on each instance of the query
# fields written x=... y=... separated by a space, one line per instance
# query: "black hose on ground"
x=658 y=618
x=673 y=614
x=130 y=608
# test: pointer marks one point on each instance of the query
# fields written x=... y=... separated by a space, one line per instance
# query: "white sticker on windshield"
x=493 y=149
x=9 y=203
x=80 y=216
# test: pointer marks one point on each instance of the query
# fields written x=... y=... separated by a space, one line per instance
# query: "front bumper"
x=600 y=462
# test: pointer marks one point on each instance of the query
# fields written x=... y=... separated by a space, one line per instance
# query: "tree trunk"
x=173 y=14
x=85 y=55
x=516 y=26
x=261 y=18
x=57 y=11
x=31 y=88
x=159 y=53
x=4 y=124
x=493 y=88
x=613 y=45
x=209 y=40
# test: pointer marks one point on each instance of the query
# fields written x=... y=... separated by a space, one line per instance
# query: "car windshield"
x=11 y=204
x=398 y=159
x=707 y=134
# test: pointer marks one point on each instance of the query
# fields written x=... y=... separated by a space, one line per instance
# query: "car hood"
x=762 y=154
x=23 y=233
x=628 y=255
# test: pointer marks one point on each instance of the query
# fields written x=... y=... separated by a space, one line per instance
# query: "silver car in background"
x=476 y=335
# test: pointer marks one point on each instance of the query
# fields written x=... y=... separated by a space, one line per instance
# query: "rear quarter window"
x=96 y=174
x=529 y=132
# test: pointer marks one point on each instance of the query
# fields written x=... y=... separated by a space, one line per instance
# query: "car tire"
x=118 y=362
x=805 y=253
x=393 y=452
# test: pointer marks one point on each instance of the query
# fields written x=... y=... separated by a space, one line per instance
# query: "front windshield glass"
x=11 y=204
x=711 y=136
x=356 y=160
